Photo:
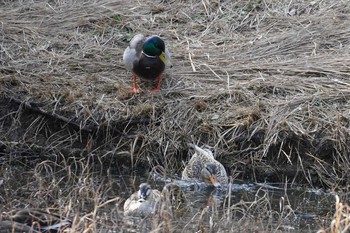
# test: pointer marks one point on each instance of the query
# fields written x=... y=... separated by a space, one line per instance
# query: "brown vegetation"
x=264 y=83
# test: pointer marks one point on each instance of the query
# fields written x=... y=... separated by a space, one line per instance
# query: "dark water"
x=251 y=207
x=269 y=207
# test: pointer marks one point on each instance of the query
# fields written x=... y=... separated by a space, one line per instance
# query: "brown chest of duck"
x=147 y=58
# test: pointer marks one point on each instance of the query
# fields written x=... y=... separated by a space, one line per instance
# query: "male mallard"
x=143 y=202
x=33 y=220
x=147 y=58
x=205 y=167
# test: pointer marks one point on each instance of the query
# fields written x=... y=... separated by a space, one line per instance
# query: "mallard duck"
x=147 y=58
x=203 y=166
x=33 y=220
x=143 y=202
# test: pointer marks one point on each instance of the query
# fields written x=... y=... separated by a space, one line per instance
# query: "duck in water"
x=143 y=202
x=203 y=166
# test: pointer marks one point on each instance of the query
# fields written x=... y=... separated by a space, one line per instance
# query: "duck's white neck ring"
x=148 y=55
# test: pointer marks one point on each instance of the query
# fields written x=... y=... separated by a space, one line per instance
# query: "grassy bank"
x=264 y=83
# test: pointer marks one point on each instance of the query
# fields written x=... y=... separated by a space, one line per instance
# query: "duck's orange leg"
x=157 y=88
x=134 y=89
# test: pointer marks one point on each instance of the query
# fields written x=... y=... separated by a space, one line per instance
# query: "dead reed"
x=340 y=221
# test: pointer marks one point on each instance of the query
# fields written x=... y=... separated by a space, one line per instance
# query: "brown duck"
x=203 y=166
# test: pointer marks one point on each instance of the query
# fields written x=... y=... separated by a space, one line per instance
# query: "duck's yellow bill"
x=163 y=58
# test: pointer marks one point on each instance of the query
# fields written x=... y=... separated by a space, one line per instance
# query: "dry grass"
x=341 y=218
x=264 y=82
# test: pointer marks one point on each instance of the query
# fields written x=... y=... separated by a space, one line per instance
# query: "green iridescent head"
x=153 y=46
